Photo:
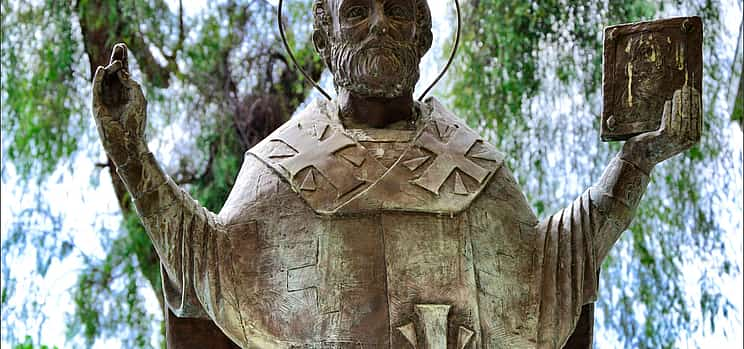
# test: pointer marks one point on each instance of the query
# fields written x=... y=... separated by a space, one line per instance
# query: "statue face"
x=373 y=48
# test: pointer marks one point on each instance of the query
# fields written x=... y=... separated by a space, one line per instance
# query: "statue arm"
x=181 y=231
x=576 y=240
x=177 y=225
x=617 y=194
x=614 y=200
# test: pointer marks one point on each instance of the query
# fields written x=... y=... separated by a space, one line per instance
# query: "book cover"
x=644 y=63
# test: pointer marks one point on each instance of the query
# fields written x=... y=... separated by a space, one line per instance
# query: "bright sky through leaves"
x=76 y=200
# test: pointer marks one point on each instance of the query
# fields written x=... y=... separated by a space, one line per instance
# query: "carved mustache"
x=378 y=42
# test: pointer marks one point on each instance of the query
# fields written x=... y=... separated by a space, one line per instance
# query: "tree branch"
x=184 y=177
x=172 y=57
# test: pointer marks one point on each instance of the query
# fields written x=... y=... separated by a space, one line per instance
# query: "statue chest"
x=390 y=280
x=377 y=238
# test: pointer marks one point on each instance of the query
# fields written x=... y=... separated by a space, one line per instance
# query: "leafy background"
x=528 y=76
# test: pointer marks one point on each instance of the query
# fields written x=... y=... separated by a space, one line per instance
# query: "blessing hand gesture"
x=119 y=108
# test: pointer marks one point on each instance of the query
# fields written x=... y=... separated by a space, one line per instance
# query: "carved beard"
x=375 y=68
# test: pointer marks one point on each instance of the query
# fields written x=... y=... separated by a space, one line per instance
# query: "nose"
x=378 y=24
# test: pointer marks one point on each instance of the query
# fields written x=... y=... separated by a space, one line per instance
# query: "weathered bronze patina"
x=644 y=63
x=375 y=221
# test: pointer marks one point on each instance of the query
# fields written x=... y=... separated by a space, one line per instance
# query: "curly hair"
x=322 y=24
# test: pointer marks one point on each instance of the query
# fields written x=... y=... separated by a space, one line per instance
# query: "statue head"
x=373 y=47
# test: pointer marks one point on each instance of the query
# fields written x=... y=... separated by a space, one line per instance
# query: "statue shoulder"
x=309 y=119
x=504 y=194
x=265 y=177
x=310 y=124
x=502 y=190
x=448 y=124
x=257 y=187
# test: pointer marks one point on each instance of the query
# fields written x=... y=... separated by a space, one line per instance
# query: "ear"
x=424 y=34
x=320 y=41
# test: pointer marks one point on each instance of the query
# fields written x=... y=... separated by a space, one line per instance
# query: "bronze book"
x=644 y=63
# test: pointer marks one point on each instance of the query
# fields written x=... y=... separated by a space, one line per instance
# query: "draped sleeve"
x=575 y=241
x=186 y=236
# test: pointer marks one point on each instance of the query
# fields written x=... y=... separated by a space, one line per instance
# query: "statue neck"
x=376 y=112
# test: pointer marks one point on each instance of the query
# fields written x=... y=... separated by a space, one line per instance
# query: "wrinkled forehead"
x=335 y=5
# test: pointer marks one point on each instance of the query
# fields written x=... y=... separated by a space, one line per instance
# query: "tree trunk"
x=255 y=117
x=97 y=40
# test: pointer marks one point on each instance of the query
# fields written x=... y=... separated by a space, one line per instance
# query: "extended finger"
x=675 y=126
x=666 y=117
x=123 y=76
x=98 y=84
x=685 y=113
x=697 y=116
x=114 y=67
x=119 y=53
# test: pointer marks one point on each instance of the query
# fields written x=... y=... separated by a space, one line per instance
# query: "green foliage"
x=504 y=56
x=531 y=72
x=37 y=229
x=108 y=297
x=737 y=114
x=28 y=344
x=212 y=191
x=213 y=63
x=44 y=124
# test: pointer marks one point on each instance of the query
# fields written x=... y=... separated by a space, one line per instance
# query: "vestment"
x=335 y=238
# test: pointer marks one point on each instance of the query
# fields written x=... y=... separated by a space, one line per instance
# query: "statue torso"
x=354 y=239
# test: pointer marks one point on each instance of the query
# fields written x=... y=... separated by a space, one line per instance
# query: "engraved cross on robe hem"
x=433 y=321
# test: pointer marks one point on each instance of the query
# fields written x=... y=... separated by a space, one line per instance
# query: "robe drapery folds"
x=569 y=270
x=181 y=231
x=548 y=269
x=179 y=228
x=577 y=239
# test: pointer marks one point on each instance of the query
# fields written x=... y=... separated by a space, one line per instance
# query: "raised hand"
x=119 y=109
x=681 y=128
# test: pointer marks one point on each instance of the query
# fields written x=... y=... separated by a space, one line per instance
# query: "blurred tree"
x=221 y=77
x=737 y=111
x=531 y=70
x=28 y=344
x=220 y=82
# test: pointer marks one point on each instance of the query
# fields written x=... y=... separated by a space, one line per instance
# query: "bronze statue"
x=375 y=221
